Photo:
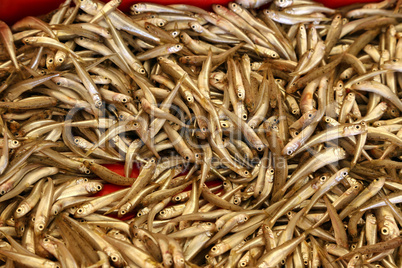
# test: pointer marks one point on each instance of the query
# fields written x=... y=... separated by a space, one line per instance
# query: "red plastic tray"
x=13 y=10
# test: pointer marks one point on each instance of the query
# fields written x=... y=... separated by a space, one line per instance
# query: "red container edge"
x=13 y=10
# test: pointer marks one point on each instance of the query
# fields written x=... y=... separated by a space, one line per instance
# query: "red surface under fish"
x=13 y=10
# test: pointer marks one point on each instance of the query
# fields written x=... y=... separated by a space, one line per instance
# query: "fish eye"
x=357 y=127
x=218 y=6
x=323 y=178
x=161 y=23
x=115 y=258
x=290 y=152
x=50 y=60
x=394 y=60
x=19 y=210
x=99 y=187
x=345 y=174
x=60 y=59
x=58 y=83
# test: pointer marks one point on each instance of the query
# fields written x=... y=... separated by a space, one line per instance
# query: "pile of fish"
x=263 y=137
